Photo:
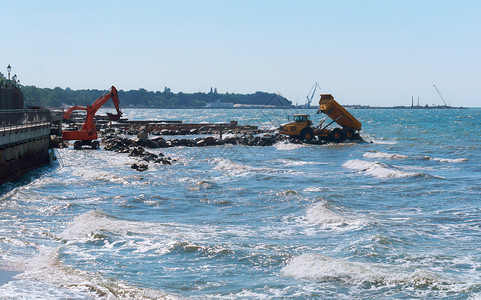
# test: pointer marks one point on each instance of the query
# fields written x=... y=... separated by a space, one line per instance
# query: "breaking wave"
x=329 y=217
x=321 y=267
x=447 y=160
x=291 y=162
x=95 y=175
x=233 y=168
x=384 y=155
x=286 y=146
x=46 y=268
x=378 y=169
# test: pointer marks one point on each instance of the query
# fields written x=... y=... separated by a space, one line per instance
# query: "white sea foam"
x=321 y=267
x=233 y=168
x=384 y=155
x=313 y=189
x=150 y=238
x=384 y=142
x=96 y=175
x=46 y=268
x=331 y=218
x=448 y=160
x=290 y=162
x=377 y=169
x=241 y=170
x=286 y=146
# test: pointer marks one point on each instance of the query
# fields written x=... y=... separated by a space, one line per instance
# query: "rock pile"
x=135 y=148
x=124 y=145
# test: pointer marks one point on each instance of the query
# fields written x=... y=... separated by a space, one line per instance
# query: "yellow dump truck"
x=302 y=128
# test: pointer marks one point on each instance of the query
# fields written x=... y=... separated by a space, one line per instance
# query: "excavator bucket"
x=113 y=117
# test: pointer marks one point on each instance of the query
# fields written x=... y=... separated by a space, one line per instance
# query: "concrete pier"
x=23 y=147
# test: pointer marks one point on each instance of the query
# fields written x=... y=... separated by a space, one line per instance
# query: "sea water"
x=396 y=216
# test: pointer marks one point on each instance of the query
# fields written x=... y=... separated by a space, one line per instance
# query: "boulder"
x=151 y=144
x=139 y=167
x=142 y=135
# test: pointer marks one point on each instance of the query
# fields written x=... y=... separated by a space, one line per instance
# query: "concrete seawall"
x=23 y=148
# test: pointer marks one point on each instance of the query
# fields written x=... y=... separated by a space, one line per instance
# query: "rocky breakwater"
x=136 y=147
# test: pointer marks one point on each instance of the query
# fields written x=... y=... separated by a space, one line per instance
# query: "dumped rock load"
x=125 y=145
x=134 y=147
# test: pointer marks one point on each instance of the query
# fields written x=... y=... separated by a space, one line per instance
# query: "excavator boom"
x=68 y=113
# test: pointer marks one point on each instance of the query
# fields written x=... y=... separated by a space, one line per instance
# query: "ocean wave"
x=384 y=142
x=48 y=269
x=330 y=218
x=242 y=170
x=286 y=146
x=96 y=175
x=378 y=169
x=313 y=189
x=115 y=235
x=321 y=267
x=233 y=168
x=447 y=160
x=384 y=155
x=290 y=162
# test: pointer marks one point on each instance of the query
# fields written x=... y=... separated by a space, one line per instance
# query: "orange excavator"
x=87 y=135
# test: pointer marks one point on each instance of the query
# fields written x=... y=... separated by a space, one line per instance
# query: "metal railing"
x=21 y=118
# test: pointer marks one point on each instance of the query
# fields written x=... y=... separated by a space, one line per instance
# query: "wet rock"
x=136 y=151
x=151 y=144
x=164 y=160
x=168 y=132
x=54 y=142
x=139 y=167
x=209 y=141
x=142 y=135
x=160 y=142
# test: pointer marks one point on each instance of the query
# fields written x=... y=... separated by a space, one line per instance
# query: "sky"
x=379 y=53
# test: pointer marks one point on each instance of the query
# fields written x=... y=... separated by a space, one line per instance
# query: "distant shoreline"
x=294 y=107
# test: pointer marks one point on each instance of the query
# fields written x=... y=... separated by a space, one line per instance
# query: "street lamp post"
x=9 y=69
x=14 y=78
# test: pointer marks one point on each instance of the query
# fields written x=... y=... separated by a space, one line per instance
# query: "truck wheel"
x=335 y=135
x=347 y=133
x=77 y=145
x=95 y=144
x=307 y=134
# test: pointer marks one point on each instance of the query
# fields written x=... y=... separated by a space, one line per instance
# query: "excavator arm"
x=68 y=113
x=88 y=131
x=103 y=99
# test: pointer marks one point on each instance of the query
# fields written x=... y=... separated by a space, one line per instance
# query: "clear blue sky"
x=363 y=52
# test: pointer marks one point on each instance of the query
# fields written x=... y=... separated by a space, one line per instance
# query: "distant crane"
x=311 y=93
x=441 y=96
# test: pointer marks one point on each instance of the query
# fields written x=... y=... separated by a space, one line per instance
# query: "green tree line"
x=58 y=97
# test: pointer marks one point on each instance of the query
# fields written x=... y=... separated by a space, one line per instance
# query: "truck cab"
x=300 y=127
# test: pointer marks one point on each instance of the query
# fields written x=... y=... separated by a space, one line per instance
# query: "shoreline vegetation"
x=141 y=98
x=58 y=97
